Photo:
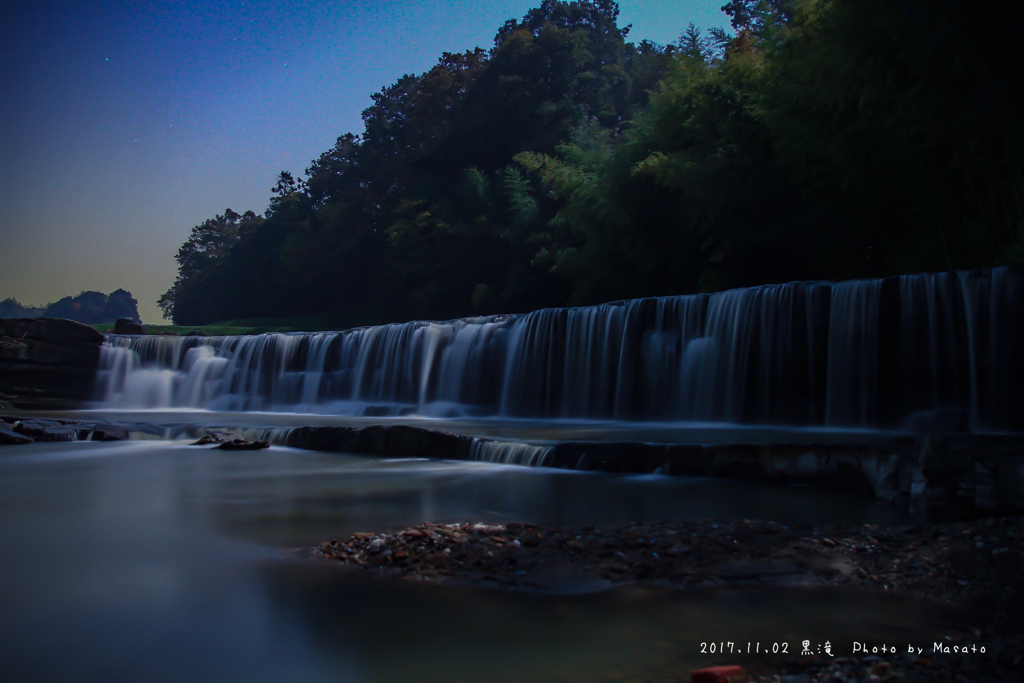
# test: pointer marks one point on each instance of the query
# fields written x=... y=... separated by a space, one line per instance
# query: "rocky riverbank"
x=47 y=363
x=972 y=567
x=20 y=431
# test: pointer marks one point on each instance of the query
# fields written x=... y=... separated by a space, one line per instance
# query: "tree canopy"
x=565 y=165
x=90 y=308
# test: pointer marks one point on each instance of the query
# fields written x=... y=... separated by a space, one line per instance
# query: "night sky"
x=123 y=124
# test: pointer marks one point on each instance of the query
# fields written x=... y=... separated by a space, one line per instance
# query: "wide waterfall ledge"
x=920 y=352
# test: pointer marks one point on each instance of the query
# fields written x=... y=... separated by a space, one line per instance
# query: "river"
x=152 y=560
x=157 y=561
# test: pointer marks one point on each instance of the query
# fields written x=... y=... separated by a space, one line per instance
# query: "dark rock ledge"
x=936 y=478
x=47 y=363
x=25 y=430
x=957 y=476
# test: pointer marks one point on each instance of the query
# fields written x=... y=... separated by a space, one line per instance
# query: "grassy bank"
x=247 y=326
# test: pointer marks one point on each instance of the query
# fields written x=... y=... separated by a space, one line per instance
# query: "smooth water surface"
x=156 y=561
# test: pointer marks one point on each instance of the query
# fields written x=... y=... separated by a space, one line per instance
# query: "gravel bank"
x=974 y=566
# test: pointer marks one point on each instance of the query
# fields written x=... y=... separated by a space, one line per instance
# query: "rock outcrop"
x=128 y=326
x=956 y=476
x=47 y=363
x=18 y=430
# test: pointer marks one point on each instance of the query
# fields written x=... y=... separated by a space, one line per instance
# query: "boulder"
x=109 y=432
x=242 y=445
x=128 y=326
x=9 y=437
x=14 y=328
x=208 y=439
x=34 y=429
x=45 y=430
x=63 y=332
x=82 y=430
x=47 y=363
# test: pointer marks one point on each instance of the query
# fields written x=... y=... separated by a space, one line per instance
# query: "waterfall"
x=862 y=353
x=509 y=452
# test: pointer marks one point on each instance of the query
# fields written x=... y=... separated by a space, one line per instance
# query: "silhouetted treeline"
x=90 y=308
x=566 y=166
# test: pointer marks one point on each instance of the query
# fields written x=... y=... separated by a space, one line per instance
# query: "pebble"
x=882 y=671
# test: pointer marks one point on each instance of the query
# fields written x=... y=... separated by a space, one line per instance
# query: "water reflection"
x=151 y=561
x=416 y=632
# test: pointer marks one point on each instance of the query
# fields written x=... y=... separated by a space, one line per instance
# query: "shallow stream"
x=156 y=561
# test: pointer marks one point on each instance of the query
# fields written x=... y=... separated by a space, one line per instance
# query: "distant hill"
x=90 y=308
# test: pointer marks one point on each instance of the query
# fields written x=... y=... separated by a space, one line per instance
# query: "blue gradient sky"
x=123 y=124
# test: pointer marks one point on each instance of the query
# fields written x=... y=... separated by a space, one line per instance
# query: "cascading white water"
x=860 y=353
x=509 y=452
x=853 y=353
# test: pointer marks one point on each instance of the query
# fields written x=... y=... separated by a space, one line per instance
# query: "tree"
x=757 y=16
x=208 y=248
x=825 y=139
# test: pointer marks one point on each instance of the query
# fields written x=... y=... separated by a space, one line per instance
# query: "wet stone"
x=9 y=437
x=242 y=445
x=211 y=439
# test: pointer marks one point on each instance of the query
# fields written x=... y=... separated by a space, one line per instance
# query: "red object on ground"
x=717 y=674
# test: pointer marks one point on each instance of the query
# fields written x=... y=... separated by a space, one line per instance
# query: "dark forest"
x=565 y=165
